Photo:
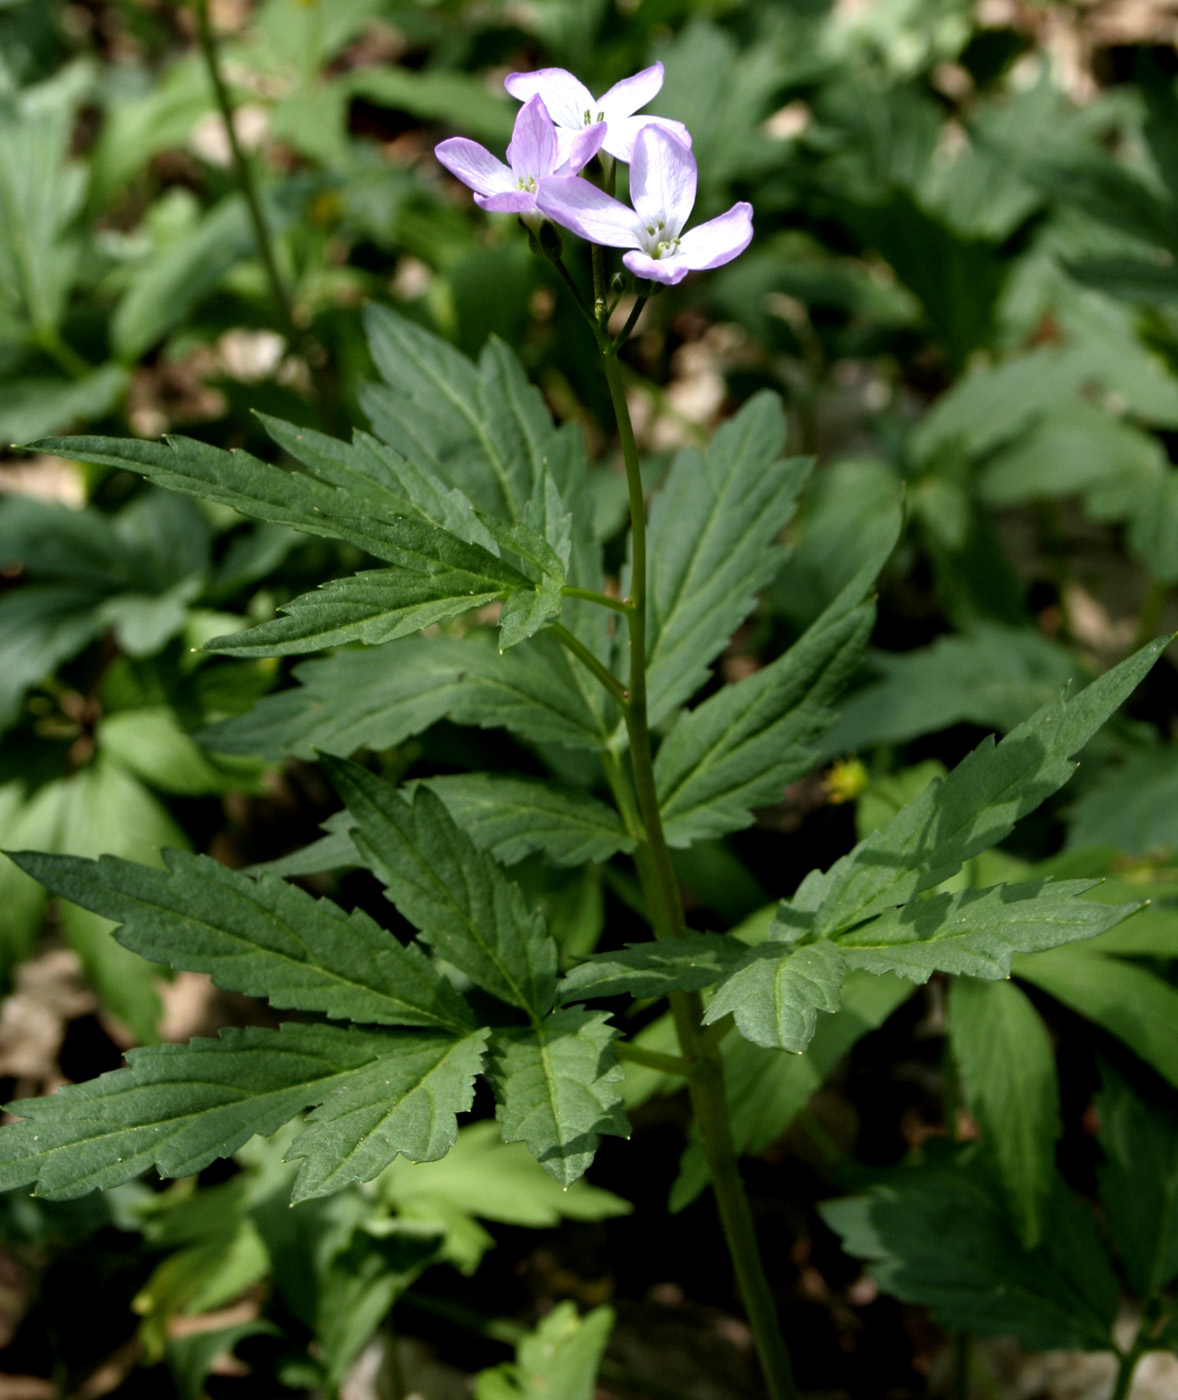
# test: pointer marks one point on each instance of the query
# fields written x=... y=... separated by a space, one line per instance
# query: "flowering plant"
x=467 y=496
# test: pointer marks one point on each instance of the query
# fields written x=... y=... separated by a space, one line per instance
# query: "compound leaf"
x=513 y=817
x=455 y=893
x=381 y=695
x=403 y=1103
x=262 y=937
x=653 y=969
x=180 y=1107
x=556 y=1089
x=775 y=997
x=704 y=580
x=974 y=808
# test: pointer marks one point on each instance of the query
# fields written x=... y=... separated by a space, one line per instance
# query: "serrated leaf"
x=382 y=695
x=704 y=580
x=179 y=1107
x=455 y=893
x=262 y=937
x=512 y=817
x=774 y=997
x=653 y=969
x=437 y=578
x=1006 y=1065
x=974 y=808
x=1131 y=1003
x=556 y=1089
x=940 y=1236
x=975 y=933
x=1139 y=1182
x=403 y=1103
x=739 y=749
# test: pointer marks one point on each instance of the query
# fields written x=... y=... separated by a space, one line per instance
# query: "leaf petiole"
x=587 y=659
x=621 y=605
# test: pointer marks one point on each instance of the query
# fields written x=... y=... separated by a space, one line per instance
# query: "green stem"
x=587 y=659
x=50 y=341
x=631 y=321
x=245 y=174
x=1128 y=1364
x=601 y=599
x=653 y=858
x=652 y=1059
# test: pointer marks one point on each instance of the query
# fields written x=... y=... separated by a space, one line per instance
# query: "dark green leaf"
x=974 y=808
x=653 y=969
x=940 y=1236
x=404 y=1102
x=380 y=696
x=556 y=1089
x=1139 y=1182
x=1131 y=1003
x=704 y=580
x=1006 y=1066
x=511 y=817
x=180 y=1107
x=262 y=937
x=460 y=899
x=775 y=996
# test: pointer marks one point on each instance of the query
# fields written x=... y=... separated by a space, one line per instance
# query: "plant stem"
x=653 y=858
x=587 y=659
x=244 y=172
x=1128 y=1364
x=652 y=1059
x=603 y=600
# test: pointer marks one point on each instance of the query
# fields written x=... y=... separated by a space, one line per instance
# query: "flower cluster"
x=560 y=128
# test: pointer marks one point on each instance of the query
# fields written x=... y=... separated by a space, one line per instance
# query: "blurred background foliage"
x=963 y=285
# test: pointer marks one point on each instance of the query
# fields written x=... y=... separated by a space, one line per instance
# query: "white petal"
x=718 y=241
x=474 y=165
x=625 y=98
x=512 y=202
x=533 y=141
x=666 y=270
x=662 y=181
x=566 y=97
x=581 y=148
x=588 y=212
x=622 y=133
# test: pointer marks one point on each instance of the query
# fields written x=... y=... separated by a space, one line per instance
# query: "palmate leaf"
x=556 y=1089
x=511 y=817
x=460 y=899
x=262 y=937
x=1006 y=1065
x=383 y=695
x=738 y=750
x=180 y=1107
x=704 y=580
x=974 y=808
x=778 y=987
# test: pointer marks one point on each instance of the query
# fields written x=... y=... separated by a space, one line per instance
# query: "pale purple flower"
x=574 y=108
x=662 y=186
x=532 y=157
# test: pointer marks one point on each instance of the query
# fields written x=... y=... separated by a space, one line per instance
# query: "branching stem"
x=621 y=605
x=652 y=1059
x=587 y=659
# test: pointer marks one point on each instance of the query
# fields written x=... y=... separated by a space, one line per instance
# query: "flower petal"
x=718 y=241
x=513 y=202
x=662 y=180
x=566 y=97
x=582 y=148
x=623 y=131
x=666 y=270
x=474 y=165
x=533 y=141
x=625 y=98
x=588 y=212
